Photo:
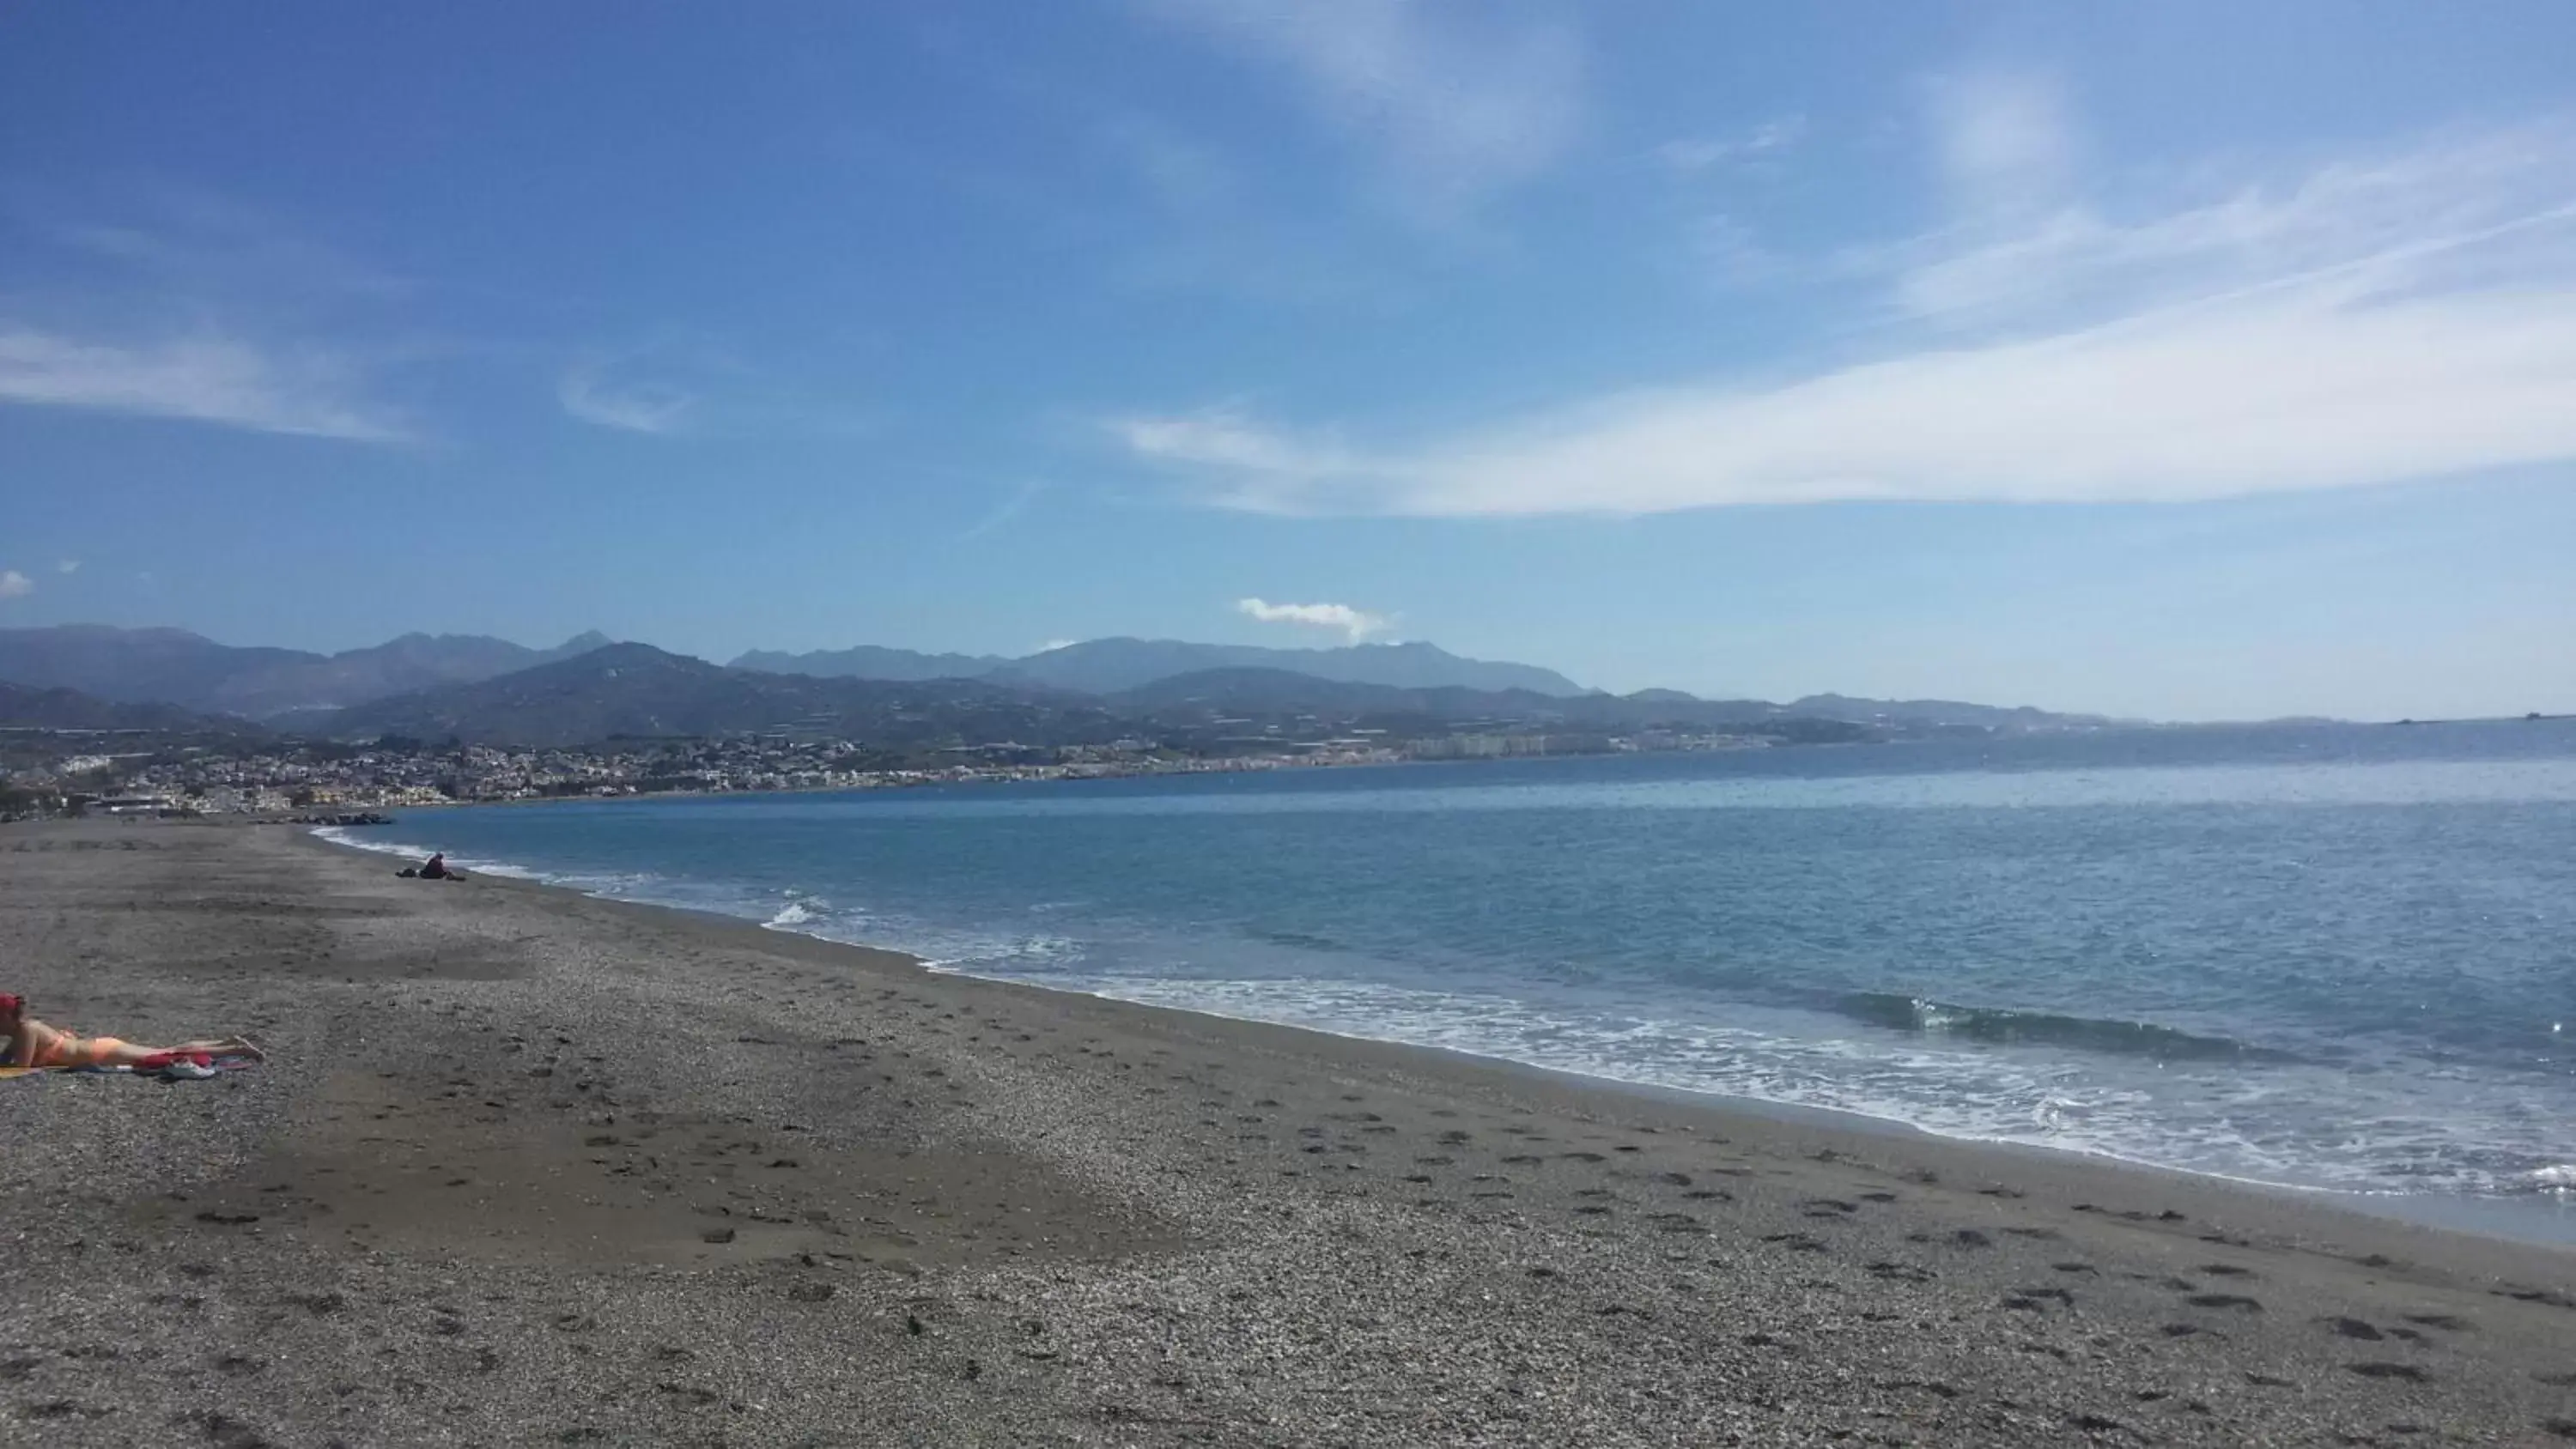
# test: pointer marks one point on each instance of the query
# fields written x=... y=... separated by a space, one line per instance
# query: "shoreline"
x=1723 y=1108
x=526 y=1164
x=2537 y=1221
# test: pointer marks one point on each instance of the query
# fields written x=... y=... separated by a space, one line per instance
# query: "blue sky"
x=2186 y=360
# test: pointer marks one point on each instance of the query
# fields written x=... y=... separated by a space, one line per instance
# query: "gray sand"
x=529 y=1168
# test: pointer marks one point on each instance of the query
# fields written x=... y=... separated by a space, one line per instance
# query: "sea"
x=2334 y=959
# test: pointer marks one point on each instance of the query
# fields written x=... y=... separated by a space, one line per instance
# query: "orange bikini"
x=58 y=1048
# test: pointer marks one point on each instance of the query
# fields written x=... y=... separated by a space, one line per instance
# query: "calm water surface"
x=2334 y=958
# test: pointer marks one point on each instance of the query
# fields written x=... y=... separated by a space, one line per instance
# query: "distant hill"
x=638 y=691
x=174 y=666
x=1271 y=694
x=1940 y=712
x=1110 y=666
x=417 y=674
x=23 y=707
x=869 y=661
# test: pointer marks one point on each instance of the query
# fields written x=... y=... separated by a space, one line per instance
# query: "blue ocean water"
x=2333 y=957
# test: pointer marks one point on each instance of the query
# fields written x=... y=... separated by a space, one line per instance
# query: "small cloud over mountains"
x=1357 y=624
x=15 y=585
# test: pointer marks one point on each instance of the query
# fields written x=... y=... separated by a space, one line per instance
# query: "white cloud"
x=2406 y=216
x=1229 y=440
x=1002 y=513
x=589 y=394
x=68 y=566
x=2372 y=321
x=1690 y=155
x=1458 y=102
x=15 y=585
x=206 y=377
x=1357 y=624
x=1052 y=645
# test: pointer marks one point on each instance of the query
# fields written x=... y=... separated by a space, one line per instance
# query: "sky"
x=2180 y=361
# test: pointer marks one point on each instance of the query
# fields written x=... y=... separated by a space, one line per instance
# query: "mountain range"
x=1108 y=666
x=26 y=708
x=636 y=691
x=173 y=666
x=586 y=689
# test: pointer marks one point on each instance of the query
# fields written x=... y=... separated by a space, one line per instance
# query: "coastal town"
x=49 y=772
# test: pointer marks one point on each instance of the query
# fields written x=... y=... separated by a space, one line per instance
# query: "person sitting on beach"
x=436 y=868
x=34 y=1044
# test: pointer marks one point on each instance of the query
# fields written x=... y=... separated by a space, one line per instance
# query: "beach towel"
x=167 y=1067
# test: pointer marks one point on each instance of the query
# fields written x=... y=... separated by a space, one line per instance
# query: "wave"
x=339 y=835
x=2000 y=1026
x=2557 y=1179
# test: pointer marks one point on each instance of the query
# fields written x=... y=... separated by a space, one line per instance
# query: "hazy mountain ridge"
x=1944 y=712
x=174 y=666
x=871 y=661
x=480 y=688
x=27 y=707
x=637 y=691
x=1274 y=691
x=1111 y=666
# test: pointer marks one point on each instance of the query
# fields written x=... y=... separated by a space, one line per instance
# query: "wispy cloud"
x=1002 y=513
x=68 y=566
x=15 y=585
x=2460 y=211
x=1354 y=624
x=1691 y=155
x=2373 y=320
x=1460 y=102
x=201 y=244
x=635 y=405
x=203 y=377
x=265 y=337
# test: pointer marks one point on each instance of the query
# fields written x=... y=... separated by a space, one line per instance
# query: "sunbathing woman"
x=34 y=1044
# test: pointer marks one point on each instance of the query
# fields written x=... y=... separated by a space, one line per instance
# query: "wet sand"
x=532 y=1168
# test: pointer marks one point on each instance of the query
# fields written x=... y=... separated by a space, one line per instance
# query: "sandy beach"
x=527 y=1167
